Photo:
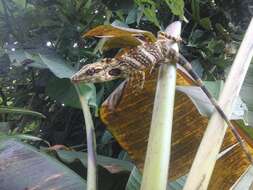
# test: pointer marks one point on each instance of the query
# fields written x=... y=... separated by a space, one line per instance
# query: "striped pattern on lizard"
x=148 y=56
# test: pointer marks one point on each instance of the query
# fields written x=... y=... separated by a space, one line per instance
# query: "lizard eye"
x=115 y=72
x=90 y=71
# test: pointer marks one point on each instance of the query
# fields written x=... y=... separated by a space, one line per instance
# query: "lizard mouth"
x=74 y=79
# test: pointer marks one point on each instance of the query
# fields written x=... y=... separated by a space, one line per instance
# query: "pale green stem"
x=156 y=167
x=91 y=143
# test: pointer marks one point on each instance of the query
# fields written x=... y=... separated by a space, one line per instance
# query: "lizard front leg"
x=137 y=80
x=141 y=74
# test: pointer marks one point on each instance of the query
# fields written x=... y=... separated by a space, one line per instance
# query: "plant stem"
x=156 y=167
x=4 y=102
x=91 y=142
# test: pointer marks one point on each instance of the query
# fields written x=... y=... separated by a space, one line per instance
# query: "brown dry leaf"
x=119 y=37
x=128 y=117
x=228 y=169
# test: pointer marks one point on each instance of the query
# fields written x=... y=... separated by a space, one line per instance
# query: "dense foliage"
x=41 y=43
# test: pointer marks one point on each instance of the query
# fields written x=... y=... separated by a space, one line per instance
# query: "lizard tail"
x=183 y=62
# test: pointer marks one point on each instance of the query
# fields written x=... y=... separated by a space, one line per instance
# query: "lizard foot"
x=137 y=81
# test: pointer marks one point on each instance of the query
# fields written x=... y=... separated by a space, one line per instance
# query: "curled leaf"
x=119 y=37
x=116 y=31
x=22 y=111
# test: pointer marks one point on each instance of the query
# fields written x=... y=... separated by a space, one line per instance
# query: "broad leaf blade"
x=195 y=10
x=40 y=171
x=4 y=128
x=176 y=7
x=134 y=181
x=64 y=92
x=110 y=31
x=59 y=88
x=246 y=94
x=132 y=16
x=88 y=91
x=42 y=59
x=204 y=105
x=57 y=66
x=150 y=13
x=119 y=112
x=206 y=23
x=120 y=42
x=22 y=111
x=112 y=164
x=112 y=173
x=24 y=58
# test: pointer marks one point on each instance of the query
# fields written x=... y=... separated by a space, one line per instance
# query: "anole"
x=148 y=56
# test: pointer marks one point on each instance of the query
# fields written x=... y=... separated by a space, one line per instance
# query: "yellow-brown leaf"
x=128 y=116
x=120 y=42
x=119 y=37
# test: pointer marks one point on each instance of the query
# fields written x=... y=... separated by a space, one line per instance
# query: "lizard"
x=148 y=56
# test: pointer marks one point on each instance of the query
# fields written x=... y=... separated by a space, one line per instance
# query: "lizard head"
x=104 y=70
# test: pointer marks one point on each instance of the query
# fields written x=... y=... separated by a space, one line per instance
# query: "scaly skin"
x=148 y=56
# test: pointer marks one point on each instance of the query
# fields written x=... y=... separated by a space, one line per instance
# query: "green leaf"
x=18 y=158
x=88 y=4
x=203 y=104
x=23 y=58
x=20 y=3
x=70 y=156
x=134 y=181
x=88 y=91
x=1 y=8
x=145 y=2
x=196 y=37
x=195 y=10
x=119 y=23
x=215 y=46
x=25 y=137
x=50 y=60
x=119 y=14
x=63 y=91
x=197 y=67
x=214 y=87
x=105 y=147
x=57 y=66
x=151 y=16
x=22 y=111
x=176 y=7
x=206 y=23
x=223 y=32
x=247 y=129
x=4 y=127
x=246 y=94
x=112 y=173
x=139 y=15
x=132 y=16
